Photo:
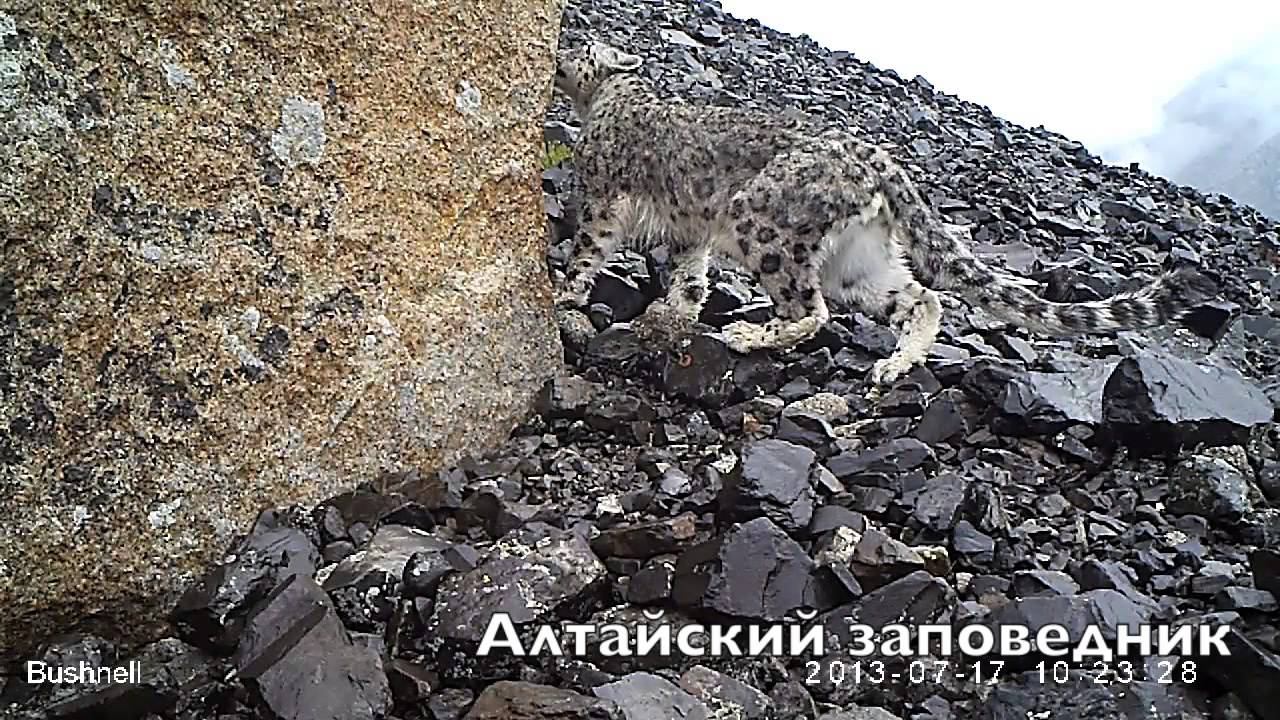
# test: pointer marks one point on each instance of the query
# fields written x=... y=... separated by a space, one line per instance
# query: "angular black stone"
x=773 y=480
x=566 y=396
x=612 y=411
x=1157 y=403
x=528 y=577
x=937 y=507
x=652 y=584
x=1209 y=484
x=1048 y=403
x=1239 y=598
x=423 y=572
x=896 y=456
x=644 y=540
x=756 y=375
x=300 y=662
x=212 y=611
x=972 y=543
x=805 y=429
x=496 y=515
x=912 y=599
x=619 y=292
x=1265 y=564
x=1128 y=211
x=410 y=682
x=1211 y=319
x=830 y=517
x=754 y=570
x=879 y=559
x=1249 y=670
x=384 y=559
x=1108 y=609
x=1031 y=583
x=1108 y=574
x=943 y=418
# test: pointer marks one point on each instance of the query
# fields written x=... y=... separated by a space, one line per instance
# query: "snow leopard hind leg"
x=866 y=267
x=775 y=228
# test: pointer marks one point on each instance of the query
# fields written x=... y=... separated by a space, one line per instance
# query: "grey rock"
x=1157 y=403
x=1265 y=564
x=527 y=576
x=212 y=611
x=644 y=696
x=513 y=700
x=1248 y=670
x=726 y=694
x=879 y=559
x=912 y=599
x=773 y=480
x=612 y=411
x=972 y=543
x=754 y=570
x=1239 y=598
x=652 y=584
x=1211 y=484
x=1029 y=583
x=1047 y=403
x=937 y=507
x=943 y=418
x=303 y=664
x=644 y=540
x=566 y=396
x=896 y=456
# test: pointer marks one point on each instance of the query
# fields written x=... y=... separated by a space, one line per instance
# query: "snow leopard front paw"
x=887 y=371
x=661 y=324
x=744 y=337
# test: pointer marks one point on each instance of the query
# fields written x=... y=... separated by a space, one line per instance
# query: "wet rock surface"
x=1013 y=481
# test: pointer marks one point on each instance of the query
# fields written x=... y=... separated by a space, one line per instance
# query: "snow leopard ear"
x=614 y=59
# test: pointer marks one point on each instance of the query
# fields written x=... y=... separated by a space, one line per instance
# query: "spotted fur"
x=812 y=214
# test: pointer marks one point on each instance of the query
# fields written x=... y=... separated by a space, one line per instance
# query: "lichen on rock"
x=300 y=137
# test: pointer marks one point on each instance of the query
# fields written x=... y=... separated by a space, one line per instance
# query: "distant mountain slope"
x=1222 y=133
x=1257 y=179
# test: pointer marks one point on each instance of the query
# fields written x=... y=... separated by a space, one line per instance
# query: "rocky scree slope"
x=1013 y=479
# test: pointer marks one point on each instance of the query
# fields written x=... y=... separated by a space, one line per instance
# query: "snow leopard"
x=813 y=214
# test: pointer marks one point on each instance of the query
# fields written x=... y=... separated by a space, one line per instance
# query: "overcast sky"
x=1098 y=72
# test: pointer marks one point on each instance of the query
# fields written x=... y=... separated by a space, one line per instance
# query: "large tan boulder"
x=252 y=253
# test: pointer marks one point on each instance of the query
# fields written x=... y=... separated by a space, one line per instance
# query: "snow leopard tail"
x=942 y=260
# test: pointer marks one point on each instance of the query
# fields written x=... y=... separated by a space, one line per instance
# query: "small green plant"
x=555 y=154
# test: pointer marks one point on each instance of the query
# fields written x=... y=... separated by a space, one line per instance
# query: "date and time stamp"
x=851 y=672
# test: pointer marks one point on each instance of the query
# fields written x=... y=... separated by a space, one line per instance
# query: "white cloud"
x=1099 y=72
